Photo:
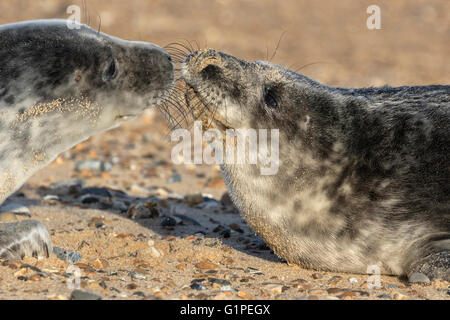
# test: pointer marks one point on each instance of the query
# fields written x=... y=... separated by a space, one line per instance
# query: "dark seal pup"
x=58 y=87
x=364 y=176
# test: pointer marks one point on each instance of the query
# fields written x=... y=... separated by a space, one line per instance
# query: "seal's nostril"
x=170 y=58
x=210 y=71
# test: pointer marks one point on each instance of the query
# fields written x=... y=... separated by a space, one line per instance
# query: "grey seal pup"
x=58 y=87
x=364 y=174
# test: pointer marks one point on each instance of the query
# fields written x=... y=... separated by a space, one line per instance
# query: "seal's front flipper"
x=26 y=238
x=434 y=266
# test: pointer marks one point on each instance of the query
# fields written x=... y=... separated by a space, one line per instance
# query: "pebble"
x=83 y=295
x=195 y=285
x=194 y=199
x=100 y=263
x=207 y=266
x=391 y=286
x=17 y=209
x=171 y=221
x=274 y=288
x=317 y=276
x=89 y=199
x=399 y=296
x=226 y=288
x=119 y=206
x=93 y=165
x=246 y=296
x=138 y=276
x=384 y=296
x=352 y=280
x=102 y=192
x=418 y=277
x=67 y=255
x=254 y=271
x=334 y=280
x=144 y=210
x=336 y=291
x=51 y=198
x=220 y=282
x=175 y=178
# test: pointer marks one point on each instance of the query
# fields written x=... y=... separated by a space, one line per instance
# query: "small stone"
x=83 y=295
x=246 y=296
x=352 y=280
x=101 y=192
x=336 y=291
x=254 y=271
x=318 y=292
x=132 y=286
x=155 y=252
x=317 y=276
x=181 y=266
x=97 y=166
x=384 y=296
x=418 y=277
x=175 y=178
x=194 y=199
x=51 y=198
x=197 y=286
x=100 y=264
x=144 y=210
x=220 y=282
x=274 y=288
x=391 y=286
x=139 y=294
x=171 y=221
x=119 y=206
x=334 y=280
x=138 y=276
x=89 y=199
x=399 y=296
x=66 y=255
x=226 y=288
x=207 y=266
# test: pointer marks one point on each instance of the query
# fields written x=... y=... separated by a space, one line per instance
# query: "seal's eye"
x=270 y=97
x=110 y=71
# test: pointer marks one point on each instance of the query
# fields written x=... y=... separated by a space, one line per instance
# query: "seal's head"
x=48 y=60
x=61 y=83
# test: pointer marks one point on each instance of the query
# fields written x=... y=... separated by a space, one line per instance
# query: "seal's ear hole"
x=270 y=97
x=110 y=70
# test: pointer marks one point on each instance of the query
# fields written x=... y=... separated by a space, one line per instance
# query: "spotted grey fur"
x=364 y=175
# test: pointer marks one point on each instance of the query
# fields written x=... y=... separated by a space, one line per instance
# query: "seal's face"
x=44 y=61
x=59 y=86
x=243 y=94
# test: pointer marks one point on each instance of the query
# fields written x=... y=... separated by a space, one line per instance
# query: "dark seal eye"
x=110 y=70
x=270 y=97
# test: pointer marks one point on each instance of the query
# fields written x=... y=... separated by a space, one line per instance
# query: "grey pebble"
x=17 y=209
x=137 y=275
x=84 y=295
x=66 y=255
x=175 y=178
x=384 y=296
x=418 y=277
x=93 y=165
